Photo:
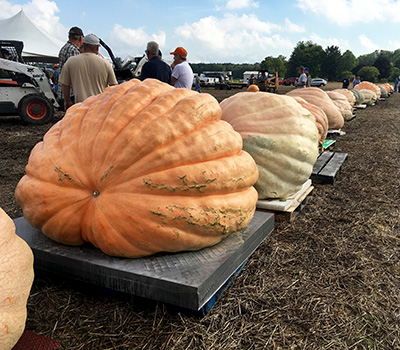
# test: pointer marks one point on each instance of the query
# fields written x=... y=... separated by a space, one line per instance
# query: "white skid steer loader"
x=25 y=90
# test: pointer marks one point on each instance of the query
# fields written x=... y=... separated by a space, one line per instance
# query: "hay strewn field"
x=328 y=280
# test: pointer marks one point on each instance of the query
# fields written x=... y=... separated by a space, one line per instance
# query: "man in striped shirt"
x=71 y=48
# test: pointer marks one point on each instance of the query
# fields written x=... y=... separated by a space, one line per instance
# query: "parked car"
x=318 y=82
x=289 y=81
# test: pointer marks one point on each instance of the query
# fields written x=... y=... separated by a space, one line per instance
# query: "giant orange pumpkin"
x=318 y=97
x=139 y=169
x=342 y=103
x=366 y=85
x=281 y=136
x=348 y=94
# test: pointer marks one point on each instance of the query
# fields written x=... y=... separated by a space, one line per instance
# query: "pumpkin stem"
x=95 y=193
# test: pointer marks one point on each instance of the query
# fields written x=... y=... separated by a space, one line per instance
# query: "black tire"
x=35 y=109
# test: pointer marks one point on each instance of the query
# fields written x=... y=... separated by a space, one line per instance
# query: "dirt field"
x=329 y=280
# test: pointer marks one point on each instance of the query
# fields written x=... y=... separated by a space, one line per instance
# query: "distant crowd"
x=82 y=72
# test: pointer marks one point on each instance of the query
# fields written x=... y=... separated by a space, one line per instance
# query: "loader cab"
x=267 y=80
x=11 y=50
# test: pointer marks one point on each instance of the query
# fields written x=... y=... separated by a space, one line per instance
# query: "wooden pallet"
x=287 y=210
x=327 y=166
x=362 y=106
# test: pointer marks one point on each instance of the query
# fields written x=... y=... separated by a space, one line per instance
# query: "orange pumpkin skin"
x=253 y=88
x=140 y=169
x=369 y=86
x=281 y=136
x=342 y=103
x=319 y=98
x=16 y=278
x=348 y=94
x=320 y=117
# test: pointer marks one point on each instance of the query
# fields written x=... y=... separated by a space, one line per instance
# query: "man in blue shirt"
x=155 y=67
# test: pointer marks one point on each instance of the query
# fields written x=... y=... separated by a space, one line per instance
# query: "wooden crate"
x=327 y=167
x=289 y=209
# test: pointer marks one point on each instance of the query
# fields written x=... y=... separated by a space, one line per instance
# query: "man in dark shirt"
x=345 y=82
x=155 y=67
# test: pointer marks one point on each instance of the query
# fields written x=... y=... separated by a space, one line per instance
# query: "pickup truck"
x=208 y=81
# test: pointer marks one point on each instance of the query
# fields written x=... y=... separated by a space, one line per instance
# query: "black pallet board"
x=327 y=166
x=188 y=280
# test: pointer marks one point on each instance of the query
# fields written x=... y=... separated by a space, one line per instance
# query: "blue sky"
x=237 y=31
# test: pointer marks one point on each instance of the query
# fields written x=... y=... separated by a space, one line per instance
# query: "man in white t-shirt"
x=182 y=73
x=302 y=81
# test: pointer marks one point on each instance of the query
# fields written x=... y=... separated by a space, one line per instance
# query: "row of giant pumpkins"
x=145 y=168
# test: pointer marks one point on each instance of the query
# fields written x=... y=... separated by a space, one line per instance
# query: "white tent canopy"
x=38 y=44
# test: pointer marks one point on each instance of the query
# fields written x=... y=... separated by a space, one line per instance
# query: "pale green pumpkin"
x=279 y=134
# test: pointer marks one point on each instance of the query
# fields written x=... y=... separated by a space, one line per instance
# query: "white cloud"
x=348 y=12
x=234 y=38
x=293 y=27
x=239 y=4
x=343 y=44
x=128 y=41
x=367 y=43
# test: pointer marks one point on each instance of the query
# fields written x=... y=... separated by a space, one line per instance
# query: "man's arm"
x=173 y=80
x=66 y=89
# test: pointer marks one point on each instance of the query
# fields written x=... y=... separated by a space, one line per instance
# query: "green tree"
x=331 y=65
x=368 y=59
x=369 y=73
x=347 y=73
x=395 y=74
x=277 y=64
x=396 y=58
x=348 y=61
x=383 y=64
x=305 y=54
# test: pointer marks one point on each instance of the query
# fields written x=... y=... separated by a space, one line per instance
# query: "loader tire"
x=35 y=109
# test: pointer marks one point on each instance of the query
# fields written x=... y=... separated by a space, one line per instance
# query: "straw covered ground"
x=328 y=280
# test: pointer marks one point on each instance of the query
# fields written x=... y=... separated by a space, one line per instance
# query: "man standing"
x=302 y=81
x=182 y=74
x=56 y=78
x=155 y=67
x=307 y=71
x=71 y=48
x=346 y=82
x=88 y=73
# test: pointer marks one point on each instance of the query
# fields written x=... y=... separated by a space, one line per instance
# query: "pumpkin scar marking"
x=191 y=219
x=63 y=175
x=186 y=186
x=106 y=173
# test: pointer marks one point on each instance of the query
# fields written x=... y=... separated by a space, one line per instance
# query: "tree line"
x=329 y=63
